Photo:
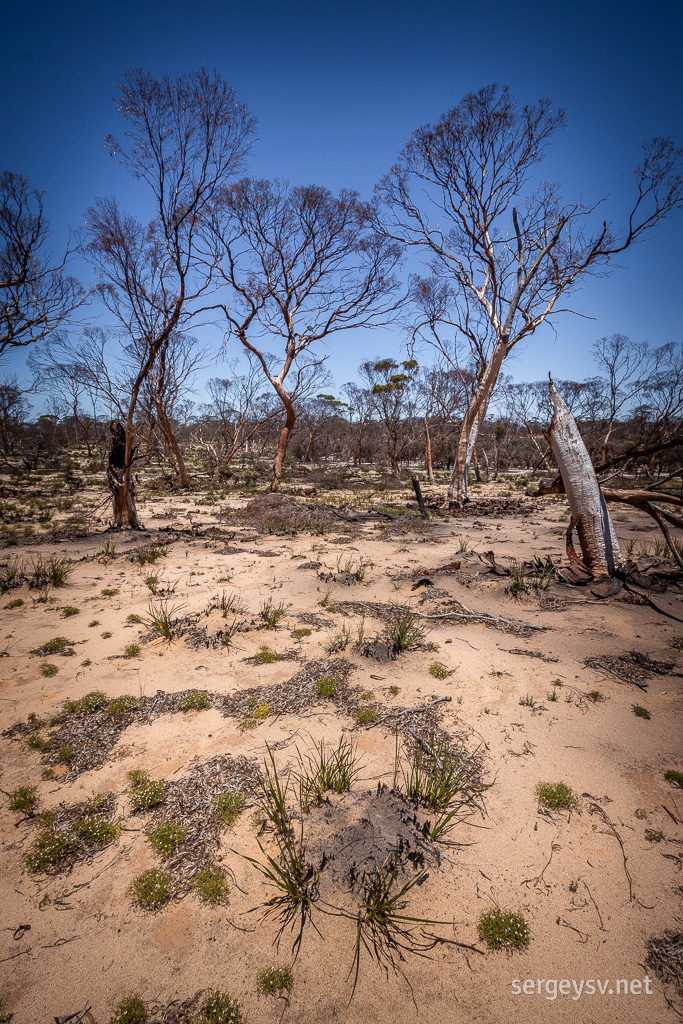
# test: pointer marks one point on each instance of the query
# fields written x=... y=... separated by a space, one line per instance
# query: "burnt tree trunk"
x=599 y=545
x=120 y=481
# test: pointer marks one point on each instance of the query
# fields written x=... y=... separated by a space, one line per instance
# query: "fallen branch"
x=596 y=809
x=468 y=613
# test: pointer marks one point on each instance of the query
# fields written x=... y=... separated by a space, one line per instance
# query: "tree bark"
x=428 y=453
x=173 y=445
x=121 y=483
x=285 y=434
x=599 y=545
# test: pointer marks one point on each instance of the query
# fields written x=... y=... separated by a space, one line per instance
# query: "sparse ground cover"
x=265 y=722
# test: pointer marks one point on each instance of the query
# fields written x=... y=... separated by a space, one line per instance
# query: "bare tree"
x=302 y=265
x=501 y=261
x=13 y=409
x=184 y=138
x=36 y=295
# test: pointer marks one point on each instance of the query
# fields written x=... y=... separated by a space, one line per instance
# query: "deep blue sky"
x=338 y=88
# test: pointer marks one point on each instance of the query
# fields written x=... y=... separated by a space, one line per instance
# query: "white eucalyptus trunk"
x=599 y=545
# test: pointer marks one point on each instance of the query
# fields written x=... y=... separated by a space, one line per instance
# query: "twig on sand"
x=468 y=613
x=596 y=809
x=538 y=880
x=411 y=711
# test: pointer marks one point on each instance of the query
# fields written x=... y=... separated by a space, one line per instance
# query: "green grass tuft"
x=130 y=1010
x=146 y=795
x=674 y=777
x=365 y=716
x=48 y=670
x=640 y=712
x=327 y=686
x=211 y=884
x=167 y=837
x=557 y=796
x=229 y=806
x=264 y=656
x=196 y=701
x=131 y=651
x=502 y=928
x=273 y=981
x=438 y=670
x=23 y=799
x=151 y=889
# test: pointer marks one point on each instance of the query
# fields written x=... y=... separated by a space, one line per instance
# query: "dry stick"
x=669 y=615
x=450 y=942
x=409 y=711
x=475 y=615
x=554 y=847
x=602 y=926
x=15 y=955
x=529 y=654
x=585 y=936
x=596 y=809
x=594 y=663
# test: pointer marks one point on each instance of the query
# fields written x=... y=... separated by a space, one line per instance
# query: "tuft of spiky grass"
x=557 y=796
x=298 y=634
x=37 y=742
x=152 y=583
x=405 y=631
x=339 y=640
x=69 y=611
x=50 y=571
x=161 y=618
x=273 y=981
x=211 y=885
x=148 y=554
x=229 y=632
x=640 y=712
x=131 y=651
x=23 y=799
x=503 y=928
x=120 y=705
x=110 y=592
x=595 y=696
x=147 y=794
x=220 y=1008
x=518 y=581
x=271 y=613
x=227 y=604
x=10 y=575
x=441 y=779
x=229 y=807
x=130 y=1010
x=198 y=700
x=167 y=837
x=66 y=753
x=152 y=889
x=329 y=768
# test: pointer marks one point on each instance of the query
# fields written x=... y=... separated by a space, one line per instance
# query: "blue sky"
x=339 y=87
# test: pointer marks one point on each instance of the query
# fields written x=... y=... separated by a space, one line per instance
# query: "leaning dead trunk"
x=599 y=545
x=120 y=481
x=285 y=434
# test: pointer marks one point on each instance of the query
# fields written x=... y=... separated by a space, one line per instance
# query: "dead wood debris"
x=632 y=667
x=665 y=959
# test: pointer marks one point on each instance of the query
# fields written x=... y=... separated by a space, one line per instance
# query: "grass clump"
x=147 y=794
x=640 y=712
x=167 y=837
x=69 y=611
x=131 y=651
x=95 y=622
x=674 y=777
x=327 y=686
x=48 y=669
x=595 y=696
x=23 y=799
x=109 y=591
x=38 y=743
x=49 y=571
x=441 y=779
x=328 y=769
x=227 y=604
x=365 y=716
x=17 y=602
x=405 y=632
x=229 y=807
x=138 y=777
x=150 y=553
x=119 y=705
x=438 y=670
x=271 y=613
x=161 y=618
x=220 y=1008
x=273 y=981
x=297 y=633
x=151 y=889
x=394 y=690
x=49 y=849
x=557 y=796
x=134 y=619
x=265 y=656
x=197 y=701
x=503 y=928
x=211 y=884
x=66 y=753
x=97 y=829
x=130 y=1010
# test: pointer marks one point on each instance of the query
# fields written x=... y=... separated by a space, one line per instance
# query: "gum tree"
x=502 y=250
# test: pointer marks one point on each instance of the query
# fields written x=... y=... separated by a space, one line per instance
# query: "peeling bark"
x=599 y=545
x=120 y=480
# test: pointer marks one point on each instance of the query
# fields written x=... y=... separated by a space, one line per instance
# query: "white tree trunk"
x=599 y=545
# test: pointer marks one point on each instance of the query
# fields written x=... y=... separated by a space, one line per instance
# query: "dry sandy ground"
x=87 y=943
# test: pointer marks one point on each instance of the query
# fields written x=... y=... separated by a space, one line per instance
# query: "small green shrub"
x=17 y=602
x=502 y=928
x=297 y=633
x=151 y=553
x=58 y=645
x=365 y=716
x=264 y=656
x=368 y=695
x=106 y=635
x=674 y=777
x=138 y=777
x=438 y=670
x=69 y=611
x=23 y=799
x=119 y=705
x=595 y=696
x=86 y=663
x=327 y=686
x=38 y=743
x=273 y=981
x=130 y=1010
x=404 y=631
x=95 y=622
x=229 y=807
x=211 y=884
x=640 y=712
x=48 y=669
x=146 y=795
x=86 y=705
x=66 y=753
x=151 y=889
x=167 y=837
x=48 y=850
x=109 y=591
x=133 y=618
x=197 y=701
x=394 y=690
x=557 y=796
x=98 y=830
x=220 y=1008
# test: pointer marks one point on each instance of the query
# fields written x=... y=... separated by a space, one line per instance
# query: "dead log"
x=599 y=546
